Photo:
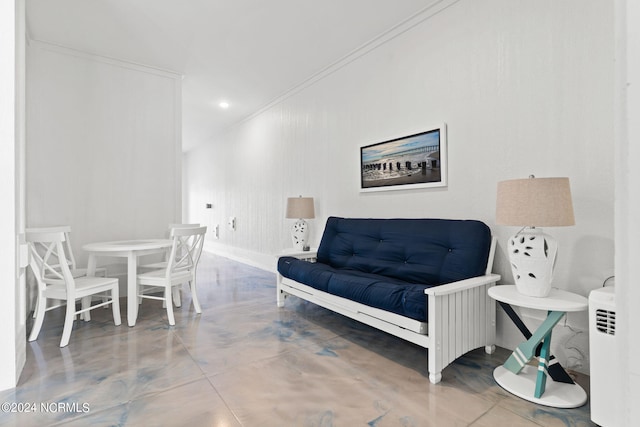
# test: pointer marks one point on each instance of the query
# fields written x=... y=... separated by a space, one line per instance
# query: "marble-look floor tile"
x=305 y=387
x=245 y=362
x=547 y=416
x=193 y=404
x=247 y=337
x=500 y=417
x=101 y=372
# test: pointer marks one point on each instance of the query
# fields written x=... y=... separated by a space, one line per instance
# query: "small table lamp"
x=300 y=208
x=531 y=203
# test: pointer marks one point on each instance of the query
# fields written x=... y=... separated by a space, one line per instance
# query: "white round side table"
x=529 y=382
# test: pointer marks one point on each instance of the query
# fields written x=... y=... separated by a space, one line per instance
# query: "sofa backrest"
x=429 y=251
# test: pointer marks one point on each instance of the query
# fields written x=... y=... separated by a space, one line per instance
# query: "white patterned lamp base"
x=300 y=234
x=532 y=255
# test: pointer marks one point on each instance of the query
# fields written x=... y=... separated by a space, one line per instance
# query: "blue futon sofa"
x=424 y=280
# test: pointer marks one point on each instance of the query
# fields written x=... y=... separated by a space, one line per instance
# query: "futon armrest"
x=300 y=254
x=462 y=285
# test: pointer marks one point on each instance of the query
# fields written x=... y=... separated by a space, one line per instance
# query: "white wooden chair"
x=180 y=267
x=70 y=259
x=55 y=281
x=163 y=264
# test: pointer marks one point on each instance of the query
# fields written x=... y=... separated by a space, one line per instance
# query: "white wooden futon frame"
x=461 y=316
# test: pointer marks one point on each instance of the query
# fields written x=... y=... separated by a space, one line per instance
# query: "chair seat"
x=158 y=276
x=84 y=286
x=80 y=272
x=155 y=265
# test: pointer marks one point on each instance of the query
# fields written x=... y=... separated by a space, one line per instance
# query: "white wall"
x=524 y=87
x=627 y=212
x=103 y=146
x=12 y=102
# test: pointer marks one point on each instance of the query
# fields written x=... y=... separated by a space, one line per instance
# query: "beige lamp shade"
x=300 y=207
x=535 y=202
x=531 y=203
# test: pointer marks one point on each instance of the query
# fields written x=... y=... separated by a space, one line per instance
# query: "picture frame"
x=414 y=161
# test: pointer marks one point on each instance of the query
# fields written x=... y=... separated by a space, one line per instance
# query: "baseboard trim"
x=259 y=260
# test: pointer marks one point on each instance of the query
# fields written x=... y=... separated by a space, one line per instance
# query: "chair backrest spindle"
x=48 y=258
x=186 y=248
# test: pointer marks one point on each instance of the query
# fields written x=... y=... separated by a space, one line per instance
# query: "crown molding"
x=103 y=59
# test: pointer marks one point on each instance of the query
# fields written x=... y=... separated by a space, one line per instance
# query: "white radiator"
x=603 y=354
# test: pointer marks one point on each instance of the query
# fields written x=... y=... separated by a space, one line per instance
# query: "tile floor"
x=244 y=362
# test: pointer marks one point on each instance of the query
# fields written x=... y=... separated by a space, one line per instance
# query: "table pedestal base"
x=556 y=394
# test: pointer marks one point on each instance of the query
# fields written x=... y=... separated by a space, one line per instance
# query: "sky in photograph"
x=379 y=151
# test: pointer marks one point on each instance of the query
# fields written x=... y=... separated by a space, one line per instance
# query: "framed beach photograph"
x=414 y=161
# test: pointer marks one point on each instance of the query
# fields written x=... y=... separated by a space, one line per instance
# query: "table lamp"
x=531 y=203
x=300 y=208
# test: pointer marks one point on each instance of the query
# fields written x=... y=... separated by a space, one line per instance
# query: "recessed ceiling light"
x=224 y=105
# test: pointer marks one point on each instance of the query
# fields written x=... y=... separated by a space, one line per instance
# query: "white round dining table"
x=130 y=249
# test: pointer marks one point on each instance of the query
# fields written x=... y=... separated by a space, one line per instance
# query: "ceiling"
x=246 y=52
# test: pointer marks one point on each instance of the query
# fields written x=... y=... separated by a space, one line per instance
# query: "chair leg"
x=167 y=295
x=176 y=297
x=194 y=296
x=35 y=310
x=86 y=303
x=68 y=323
x=104 y=299
x=115 y=305
x=39 y=318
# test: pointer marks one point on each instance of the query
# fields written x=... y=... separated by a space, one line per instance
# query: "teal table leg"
x=526 y=350
x=541 y=379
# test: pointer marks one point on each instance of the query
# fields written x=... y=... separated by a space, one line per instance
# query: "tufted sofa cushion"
x=374 y=290
x=426 y=251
